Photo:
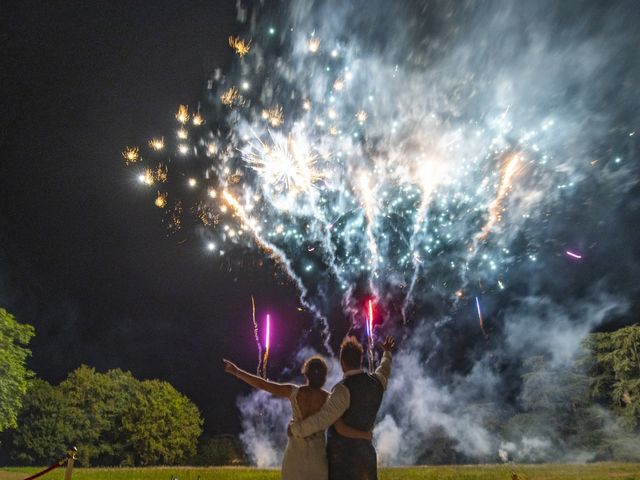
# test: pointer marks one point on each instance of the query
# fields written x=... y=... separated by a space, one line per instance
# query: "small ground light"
x=192 y=182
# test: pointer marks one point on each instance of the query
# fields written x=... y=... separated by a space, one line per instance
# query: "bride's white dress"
x=304 y=458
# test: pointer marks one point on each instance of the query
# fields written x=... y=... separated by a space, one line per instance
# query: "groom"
x=356 y=399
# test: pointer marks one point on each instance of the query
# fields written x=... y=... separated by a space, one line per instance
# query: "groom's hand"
x=388 y=344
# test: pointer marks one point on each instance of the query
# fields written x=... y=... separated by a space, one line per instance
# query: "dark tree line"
x=589 y=410
x=111 y=417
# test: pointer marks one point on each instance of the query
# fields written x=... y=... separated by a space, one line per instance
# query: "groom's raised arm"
x=384 y=369
x=331 y=411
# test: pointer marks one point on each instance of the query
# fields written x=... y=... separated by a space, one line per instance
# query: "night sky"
x=84 y=256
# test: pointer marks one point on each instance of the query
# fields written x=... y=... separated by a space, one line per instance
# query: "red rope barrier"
x=59 y=463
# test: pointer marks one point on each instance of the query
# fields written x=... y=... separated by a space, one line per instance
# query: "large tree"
x=14 y=375
x=96 y=404
x=45 y=426
x=616 y=373
x=162 y=425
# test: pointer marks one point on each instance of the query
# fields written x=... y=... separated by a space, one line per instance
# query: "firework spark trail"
x=281 y=259
x=509 y=170
x=267 y=347
x=480 y=319
x=256 y=333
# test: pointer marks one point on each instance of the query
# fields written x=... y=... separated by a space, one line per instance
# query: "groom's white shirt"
x=338 y=402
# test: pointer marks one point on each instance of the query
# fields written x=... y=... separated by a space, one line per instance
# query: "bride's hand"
x=230 y=367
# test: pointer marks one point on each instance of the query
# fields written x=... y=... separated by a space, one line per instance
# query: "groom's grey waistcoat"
x=365 y=397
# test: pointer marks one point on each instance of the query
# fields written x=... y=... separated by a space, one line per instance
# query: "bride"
x=304 y=458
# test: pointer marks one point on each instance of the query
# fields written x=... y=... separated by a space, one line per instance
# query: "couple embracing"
x=347 y=414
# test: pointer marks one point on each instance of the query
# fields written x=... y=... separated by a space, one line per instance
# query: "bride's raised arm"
x=274 y=388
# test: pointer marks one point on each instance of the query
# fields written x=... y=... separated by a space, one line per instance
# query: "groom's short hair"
x=351 y=352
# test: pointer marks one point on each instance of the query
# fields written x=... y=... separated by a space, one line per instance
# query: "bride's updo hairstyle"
x=315 y=369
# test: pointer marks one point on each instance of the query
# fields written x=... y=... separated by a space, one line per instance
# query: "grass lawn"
x=594 y=471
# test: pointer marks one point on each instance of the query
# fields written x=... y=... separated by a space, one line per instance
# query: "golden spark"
x=313 y=44
x=361 y=116
x=197 y=120
x=239 y=45
x=156 y=144
x=131 y=155
x=231 y=97
x=274 y=116
x=212 y=149
x=162 y=173
x=147 y=177
x=183 y=114
x=161 y=200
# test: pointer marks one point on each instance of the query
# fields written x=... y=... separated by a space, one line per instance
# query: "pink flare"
x=574 y=255
x=268 y=332
x=371 y=317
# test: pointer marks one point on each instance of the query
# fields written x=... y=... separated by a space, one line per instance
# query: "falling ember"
x=361 y=116
x=212 y=149
x=480 y=319
x=313 y=44
x=182 y=134
x=197 y=120
x=265 y=358
x=239 y=45
x=274 y=116
x=573 y=254
x=156 y=144
x=161 y=200
x=161 y=173
x=131 y=155
x=231 y=97
x=147 y=177
x=183 y=114
x=338 y=85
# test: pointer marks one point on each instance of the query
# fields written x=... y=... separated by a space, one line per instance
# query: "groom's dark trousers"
x=352 y=459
